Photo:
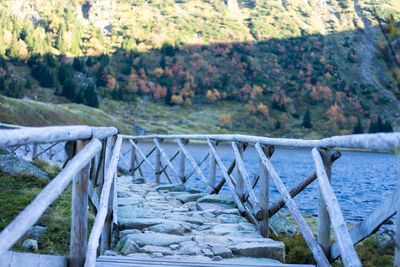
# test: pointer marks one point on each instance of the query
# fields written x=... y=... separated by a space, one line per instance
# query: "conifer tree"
x=307 y=120
x=69 y=90
x=358 y=129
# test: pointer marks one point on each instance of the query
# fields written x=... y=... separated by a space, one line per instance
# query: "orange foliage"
x=226 y=120
x=335 y=113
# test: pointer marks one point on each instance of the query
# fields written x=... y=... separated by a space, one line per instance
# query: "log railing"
x=256 y=207
x=92 y=156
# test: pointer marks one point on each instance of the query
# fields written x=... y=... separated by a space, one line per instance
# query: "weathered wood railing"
x=92 y=154
x=256 y=208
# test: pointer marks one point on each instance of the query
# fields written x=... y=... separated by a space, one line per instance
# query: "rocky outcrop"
x=15 y=165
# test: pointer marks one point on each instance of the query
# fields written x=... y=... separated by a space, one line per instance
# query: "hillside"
x=34 y=113
x=279 y=68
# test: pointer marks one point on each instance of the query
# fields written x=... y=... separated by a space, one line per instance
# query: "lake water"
x=360 y=180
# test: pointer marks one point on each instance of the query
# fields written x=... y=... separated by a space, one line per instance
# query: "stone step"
x=119 y=261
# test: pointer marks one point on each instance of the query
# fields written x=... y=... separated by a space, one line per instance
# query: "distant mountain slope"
x=275 y=58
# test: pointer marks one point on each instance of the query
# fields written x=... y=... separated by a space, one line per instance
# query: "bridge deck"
x=168 y=223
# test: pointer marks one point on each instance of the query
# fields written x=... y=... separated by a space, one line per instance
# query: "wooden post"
x=264 y=191
x=34 y=151
x=106 y=231
x=239 y=177
x=158 y=166
x=79 y=214
x=133 y=159
x=213 y=170
x=324 y=223
x=397 y=238
x=182 y=161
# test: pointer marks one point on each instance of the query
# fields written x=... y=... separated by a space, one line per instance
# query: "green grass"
x=370 y=252
x=17 y=191
x=34 y=113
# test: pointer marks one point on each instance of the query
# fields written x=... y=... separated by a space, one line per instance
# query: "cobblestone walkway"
x=168 y=222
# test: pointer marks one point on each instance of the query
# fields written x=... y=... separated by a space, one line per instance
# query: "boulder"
x=265 y=249
x=12 y=164
x=36 y=231
x=171 y=188
x=281 y=225
x=30 y=245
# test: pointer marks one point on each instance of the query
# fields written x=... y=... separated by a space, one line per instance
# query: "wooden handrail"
x=28 y=217
x=103 y=206
x=39 y=135
x=380 y=141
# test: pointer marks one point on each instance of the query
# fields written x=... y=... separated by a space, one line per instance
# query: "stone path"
x=168 y=222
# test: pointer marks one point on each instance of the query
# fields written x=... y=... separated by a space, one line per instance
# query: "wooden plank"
x=142 y=155
x=372 y=223
x=245 y=179
x=166 y=159
x=103 y=207
x=380 y=141
x=79 y=214
x=29 y=216
x=15 y=259
x=346 y=248
x=315 y=248
x=203 y=179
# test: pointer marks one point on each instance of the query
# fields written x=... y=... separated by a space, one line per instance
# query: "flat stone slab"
x=267 y=249
x=217 y=199
x=155 y=239
x=171 y=188
x=138 y=223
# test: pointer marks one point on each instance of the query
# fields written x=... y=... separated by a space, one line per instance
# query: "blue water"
x=360 y=180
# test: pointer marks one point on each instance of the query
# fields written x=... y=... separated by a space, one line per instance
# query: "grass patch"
x=370 y=252
x=16 y=192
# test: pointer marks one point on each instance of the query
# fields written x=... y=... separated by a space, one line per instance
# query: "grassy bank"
x=370 y=251
x=34 y=113
x=17 y=191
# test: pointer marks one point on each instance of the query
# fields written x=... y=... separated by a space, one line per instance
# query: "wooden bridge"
x=93 y=155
